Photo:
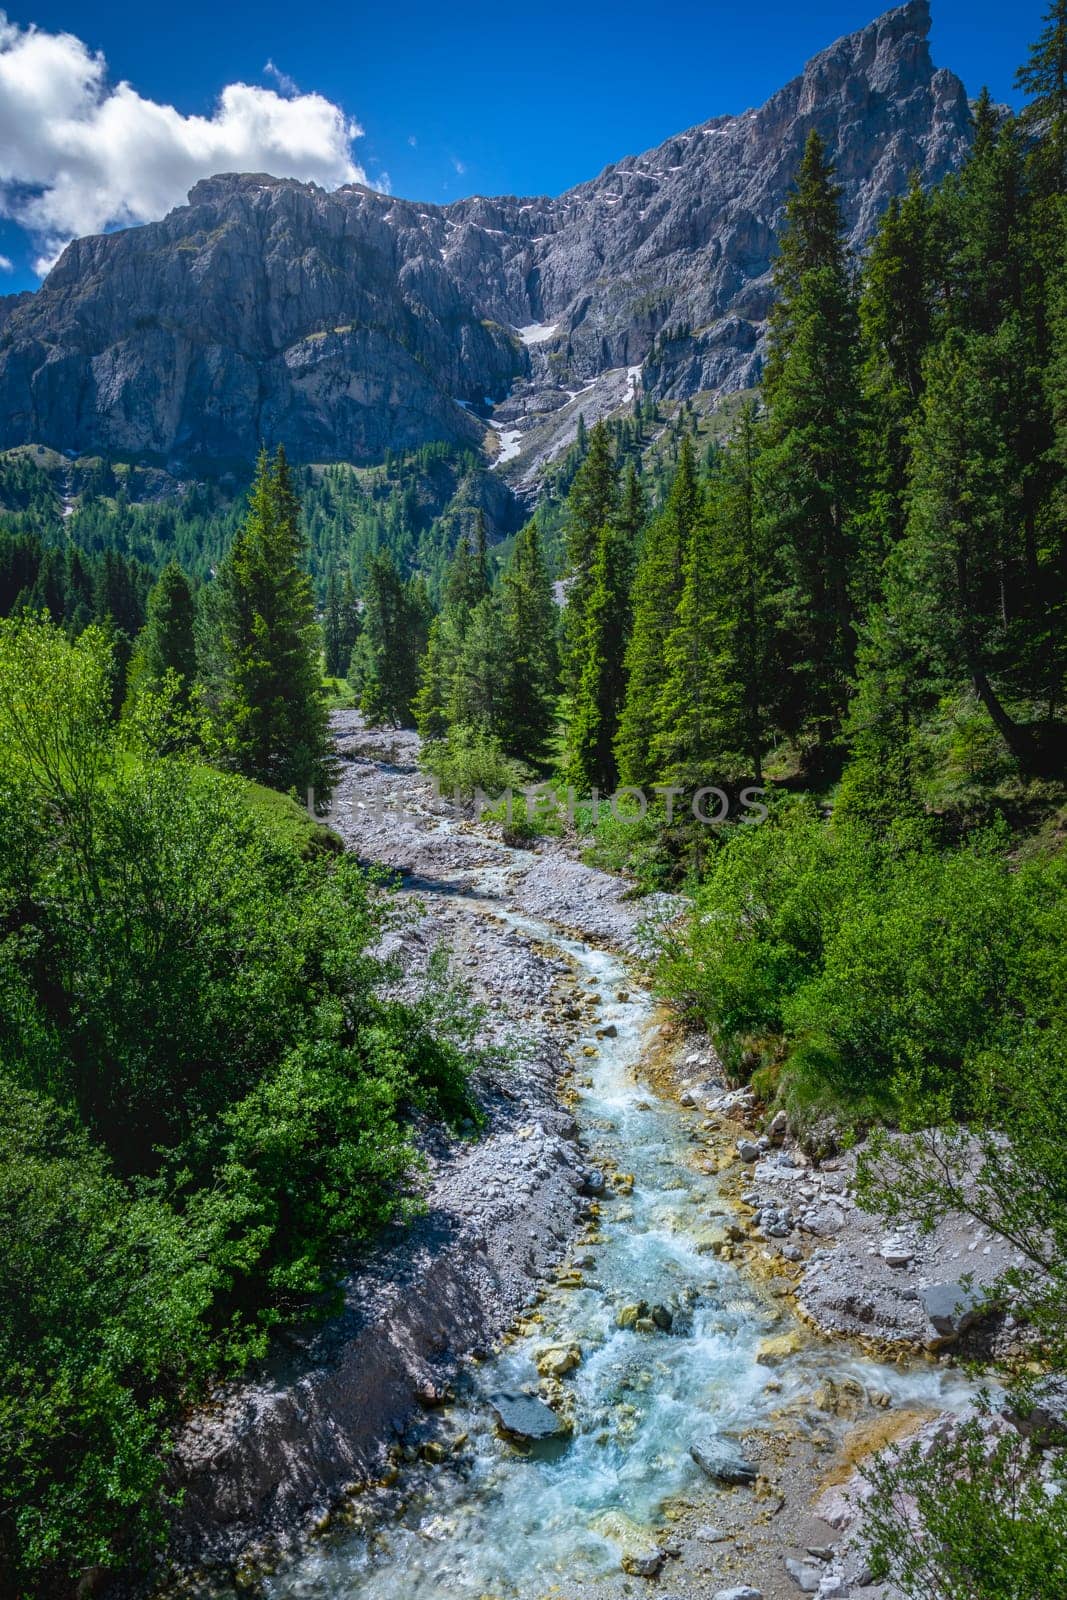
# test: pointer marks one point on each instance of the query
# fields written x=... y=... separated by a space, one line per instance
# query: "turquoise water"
x=494 y=1521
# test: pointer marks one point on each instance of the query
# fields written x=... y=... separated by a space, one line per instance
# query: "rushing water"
x=496 y=1521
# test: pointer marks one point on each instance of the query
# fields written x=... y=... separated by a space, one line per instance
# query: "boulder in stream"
x=525 y=1417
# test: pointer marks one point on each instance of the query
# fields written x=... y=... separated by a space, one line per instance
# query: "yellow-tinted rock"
x=780 y=1347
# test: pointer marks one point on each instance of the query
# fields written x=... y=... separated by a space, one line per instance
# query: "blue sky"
x=456 y=99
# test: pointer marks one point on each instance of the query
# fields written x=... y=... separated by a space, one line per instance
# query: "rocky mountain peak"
x=347 y=323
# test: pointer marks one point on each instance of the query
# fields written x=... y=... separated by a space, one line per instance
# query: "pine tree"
x=813 y=400
x=331 y=628
x=531 y=625
x=599 y=664
x=657 y=591
x=1044 y=79
x=384 y=670
x=952 y=577
x=591 y=504
x=896 y=323
x=712 y=715
x=274 y=725
x=167 y=642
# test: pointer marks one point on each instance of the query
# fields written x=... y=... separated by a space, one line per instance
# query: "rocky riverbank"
x=513 y=1225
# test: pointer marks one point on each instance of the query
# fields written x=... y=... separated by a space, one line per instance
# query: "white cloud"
x=6 y=264
x=78 y=154
x=460 y=166
x=413 y=141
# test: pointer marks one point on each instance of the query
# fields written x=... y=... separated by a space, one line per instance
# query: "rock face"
x=342 y=324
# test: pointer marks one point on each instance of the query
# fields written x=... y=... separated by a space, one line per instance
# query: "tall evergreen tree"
x=385 y=662
x=591 y=504
x=896 y=322
x=1044 y=80
x=813 y=400
x=273 y=720
x=712 y=714
x=168 y=642
x=657 y=591
x=599 y=663
x=531 y=627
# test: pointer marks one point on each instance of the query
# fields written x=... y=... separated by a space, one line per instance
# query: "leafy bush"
x=856 y=960
x=207 y=1084
x=973 y=1514
x=468 y=759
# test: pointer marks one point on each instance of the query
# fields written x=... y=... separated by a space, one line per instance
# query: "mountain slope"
x=344 y=324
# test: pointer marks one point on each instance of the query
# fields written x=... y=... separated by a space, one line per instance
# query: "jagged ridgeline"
x=347 y=325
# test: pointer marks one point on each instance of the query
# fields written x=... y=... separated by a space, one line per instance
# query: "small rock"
x=710 y=1534
x=721 y=1461
x=779 y=1347
x=778 y=1127
x=662 y=1317
x=804 y=1575
x=434 y=1452
x=643 y=1563
x=895 y=1253
x=748 y=1149
x=834 y=1587
x=629 y=1315
x=558 y=1359
x=608 y=1031
x=951 y=1308
x=741 y=1591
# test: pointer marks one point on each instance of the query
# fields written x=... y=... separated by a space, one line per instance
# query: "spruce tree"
x=657 y=591
x=530 y=619
x=274 y=726
x=384 y=671
x=599 y=664
x=712 y=713
x=896 y=322
x=168 y=641
x=1044 y=79
x=813 y=400
x=591 y=504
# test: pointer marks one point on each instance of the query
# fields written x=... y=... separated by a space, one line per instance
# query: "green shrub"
x=467 y=760
x=852 y=961
x=207 y=1084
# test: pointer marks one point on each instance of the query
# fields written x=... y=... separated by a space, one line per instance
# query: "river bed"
x=586 y=1515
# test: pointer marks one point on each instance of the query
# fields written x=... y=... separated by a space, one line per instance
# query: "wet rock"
x=556 y=1360
x=722 y=1461
x=609 y=1031
x=630 y=1315
x=525 y=1417
x=951 y=1308
x=434 y=1452
x=806 y=1576
x=662 y=1317
x=593 y=1183
x=779 y=1347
